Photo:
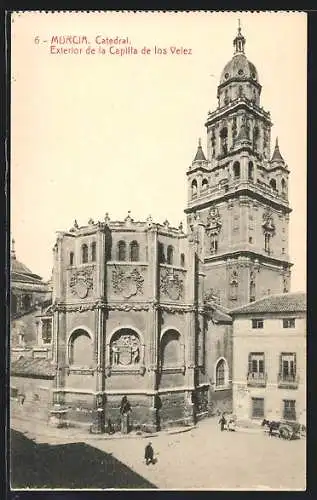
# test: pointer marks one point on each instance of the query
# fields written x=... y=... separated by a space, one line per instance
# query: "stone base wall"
x=172 y=411
x=30 y=398
x=80 y=408
x=220 y=401
x=141 y=417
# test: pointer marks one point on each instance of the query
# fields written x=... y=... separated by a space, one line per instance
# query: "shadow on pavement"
x=74 y=465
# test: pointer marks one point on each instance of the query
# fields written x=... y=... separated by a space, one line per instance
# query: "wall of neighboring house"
x=271 y=342
x=219 y=360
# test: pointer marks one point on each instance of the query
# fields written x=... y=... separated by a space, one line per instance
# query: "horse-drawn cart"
x=284 y=429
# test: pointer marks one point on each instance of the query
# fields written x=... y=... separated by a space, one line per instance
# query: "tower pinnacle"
x=276 y=153
x=200 y=154
x=239 y=41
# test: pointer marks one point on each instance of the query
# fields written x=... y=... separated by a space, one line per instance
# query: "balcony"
x=256 y=379
x=289 y=381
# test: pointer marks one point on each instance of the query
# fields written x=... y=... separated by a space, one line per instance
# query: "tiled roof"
x=200 y=154
x=285 y=302
x=277 y=154
x=32 y=368
x=221 y=317
x=26 y=278
x=219 y=314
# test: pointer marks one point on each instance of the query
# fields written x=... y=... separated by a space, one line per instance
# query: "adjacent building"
x=29 y=295
x=269 y=358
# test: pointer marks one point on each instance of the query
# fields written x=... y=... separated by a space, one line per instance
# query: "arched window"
x=125 y=348
x=122 y=250
x=170 y=255
x=194 y=188
x=171 y=350
x=283 y=185
x=236 y=170
x=46 y=331
x=234 y=286
x=80 y=349
x=224 y=140
x=84 y=254
x=250 y=171
x=134 y=251
x=226 y=97
x=161 y=253
x=93 y=251
x=182 y=260
x=204 y=184
x=213 y=243
x=252 y=291
x=267 y=238
x=256 y=135
x=71 y=258
x=273 y=183
x=26 y=301
x=221 y=373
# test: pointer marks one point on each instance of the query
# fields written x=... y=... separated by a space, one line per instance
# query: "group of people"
x=227 y=422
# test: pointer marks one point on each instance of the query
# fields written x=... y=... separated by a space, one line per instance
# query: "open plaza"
x=202 y=457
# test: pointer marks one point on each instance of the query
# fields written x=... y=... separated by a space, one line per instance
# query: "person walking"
x=149 y=454
x=222 y=422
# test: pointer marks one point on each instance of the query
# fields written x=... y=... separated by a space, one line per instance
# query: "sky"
x=97 y=133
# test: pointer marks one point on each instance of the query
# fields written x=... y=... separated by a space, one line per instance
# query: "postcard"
x=158 y=255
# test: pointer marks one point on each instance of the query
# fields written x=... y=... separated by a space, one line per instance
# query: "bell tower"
x=239 y=192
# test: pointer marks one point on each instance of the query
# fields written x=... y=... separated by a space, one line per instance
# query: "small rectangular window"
x=288 y=322
x=257 y=323
x=13 y=392
x=47 y=331
x=257 y=407
x=289 y=412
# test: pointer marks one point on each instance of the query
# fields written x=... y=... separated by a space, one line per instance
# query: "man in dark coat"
x=222 y=422
x=125 y=410
x=149 y=454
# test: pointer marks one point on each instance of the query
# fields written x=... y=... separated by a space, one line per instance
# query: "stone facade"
x=239 y=193
x=127 y=297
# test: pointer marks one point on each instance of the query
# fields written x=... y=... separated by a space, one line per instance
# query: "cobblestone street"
x=203 y=457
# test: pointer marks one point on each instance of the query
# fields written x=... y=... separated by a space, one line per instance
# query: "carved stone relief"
x=268 y=222
x=212 y=295
x=127 y=284
x=81 y=282
x=213 y=220
x=125 y=350
x=171 y=286
x=234 y=282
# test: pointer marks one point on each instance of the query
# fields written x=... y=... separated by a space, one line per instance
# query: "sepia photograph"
x=158 y=250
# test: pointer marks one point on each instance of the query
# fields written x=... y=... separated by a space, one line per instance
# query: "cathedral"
x=141 y=310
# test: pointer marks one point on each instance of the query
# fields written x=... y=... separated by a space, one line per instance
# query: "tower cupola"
x=239 y=78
